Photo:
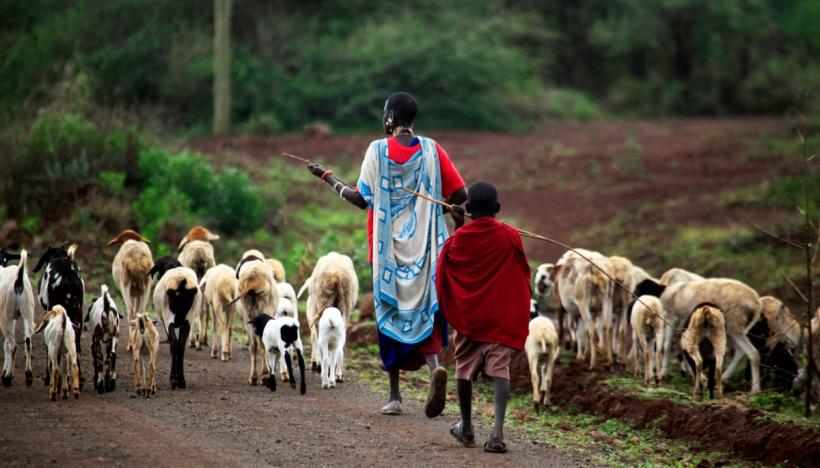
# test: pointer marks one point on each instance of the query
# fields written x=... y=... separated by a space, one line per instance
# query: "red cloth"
x=451 y=180
x=483 y=283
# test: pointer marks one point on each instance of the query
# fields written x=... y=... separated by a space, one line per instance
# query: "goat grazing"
x=542 y=348
x=277 y=335
x=144 y=339
x=257 y=295
x=103 y=321
x=647 y=337
x=61 y=284
x=776 y=336
x=130 y=271
x=16 y=301
x=176 y=298
x=739 y=304
x=62 y=352
x=219 y=289
x=704 y=342
x=332 y=335
x=587 y=292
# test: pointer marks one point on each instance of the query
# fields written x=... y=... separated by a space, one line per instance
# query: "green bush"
x=184 y=189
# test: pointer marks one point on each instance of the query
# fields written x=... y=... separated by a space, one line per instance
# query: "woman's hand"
x=457 y=213
x=316 y=169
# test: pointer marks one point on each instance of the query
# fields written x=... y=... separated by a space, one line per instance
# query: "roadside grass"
x=608 y=442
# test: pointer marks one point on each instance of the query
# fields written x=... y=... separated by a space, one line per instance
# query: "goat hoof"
x=76 y=395
x=253 y=381
x=53 y=397
x=182 y=384
x=29 y=378
x=65 y=396
x=100 y=387
x=111 y=385
x=173 y=384
x=7 y=380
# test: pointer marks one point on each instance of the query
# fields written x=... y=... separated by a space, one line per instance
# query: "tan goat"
x=144 y=339
x=278 y=269
x=197 y=253
x=219 y=287
x=783 y=327
x=704 y=340
x=257 y=291
x=130 y=271
x=62 y=352
x=678 y=275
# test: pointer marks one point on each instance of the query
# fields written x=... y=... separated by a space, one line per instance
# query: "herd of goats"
x=611 y=309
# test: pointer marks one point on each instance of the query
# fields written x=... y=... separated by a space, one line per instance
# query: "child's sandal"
x=466 y=441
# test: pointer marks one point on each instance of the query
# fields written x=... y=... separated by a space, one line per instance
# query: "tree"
x=222 y=66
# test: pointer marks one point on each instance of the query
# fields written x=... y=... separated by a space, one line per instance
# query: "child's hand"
x=457 y=213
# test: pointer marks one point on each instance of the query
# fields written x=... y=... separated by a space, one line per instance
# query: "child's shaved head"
x=482 y=199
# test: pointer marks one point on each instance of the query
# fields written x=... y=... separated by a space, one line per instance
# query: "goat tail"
x=21 y=273
x=72 y=250
x=304 y=287
x=141 y=323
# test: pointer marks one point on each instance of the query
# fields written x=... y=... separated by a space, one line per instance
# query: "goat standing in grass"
x=647 y=337
x=62 y=353
x=16 y=301
x=130 y=271
x=542 y=348
x=61 y=284
x=144 y=339
x=704 y=343
x=104 y=323
x=277 y=336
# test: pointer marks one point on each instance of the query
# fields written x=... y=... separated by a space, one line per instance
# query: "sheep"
x=62 y=284
x=332 y=335
x=278 y=269
x=333 y=283
x=197 y=253
x=585 y=291
x=62 y=352
x=277 y=335
x=257 y=295
x=286 y=291
x=16 y=301
x=704 y=342
x=542 y=348
x=176 y=298
x=219 y=289
x=103 y=321
x=776 y=336
x=678 y=275
x=130 y=271
x=739 y=304
x=647 y=336
x=144 y=339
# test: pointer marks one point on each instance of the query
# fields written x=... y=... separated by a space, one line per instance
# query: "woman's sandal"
x=466 y=441
x=495 y=445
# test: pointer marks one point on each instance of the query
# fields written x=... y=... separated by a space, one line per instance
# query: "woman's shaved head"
x=400 y=110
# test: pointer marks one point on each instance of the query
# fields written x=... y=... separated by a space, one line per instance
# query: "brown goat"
x=144 y=338
x=130 y=271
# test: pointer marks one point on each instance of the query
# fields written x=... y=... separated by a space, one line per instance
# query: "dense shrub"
x=184 y=189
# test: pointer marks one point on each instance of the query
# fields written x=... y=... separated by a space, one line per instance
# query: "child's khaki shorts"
x=493 y=359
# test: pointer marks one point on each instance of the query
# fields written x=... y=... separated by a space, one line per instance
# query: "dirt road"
x=220 y=420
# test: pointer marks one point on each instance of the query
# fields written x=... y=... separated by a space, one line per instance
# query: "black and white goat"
x=6 y=256
x=177 y=300
x=16 y=301
x=62 y=284
x=277 y=336
x=104 y=323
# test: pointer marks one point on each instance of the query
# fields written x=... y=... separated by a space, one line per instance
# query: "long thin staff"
x=546 y=239
x=308 y=161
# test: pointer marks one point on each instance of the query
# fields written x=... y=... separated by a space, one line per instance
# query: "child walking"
x=482 y=281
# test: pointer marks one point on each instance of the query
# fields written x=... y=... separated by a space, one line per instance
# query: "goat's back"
x=131 y=266
x=739 y=303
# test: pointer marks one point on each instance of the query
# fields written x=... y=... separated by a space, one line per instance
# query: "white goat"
x=332 y=335
x=277 y=336
x=542 y=348
x=647 y=337
x=219 y=289
x=16 y=301
x=62 y=352
x=176 y=299
x=103 y=321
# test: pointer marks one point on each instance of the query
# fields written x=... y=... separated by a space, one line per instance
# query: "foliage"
x=184 y=189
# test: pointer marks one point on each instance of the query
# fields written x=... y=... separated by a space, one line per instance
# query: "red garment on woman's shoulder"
x=483 y=283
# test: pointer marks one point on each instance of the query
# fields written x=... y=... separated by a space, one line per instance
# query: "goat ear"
x=183 y=242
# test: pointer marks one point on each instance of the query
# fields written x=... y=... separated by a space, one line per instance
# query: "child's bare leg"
x=465 y=404
x=502 y=396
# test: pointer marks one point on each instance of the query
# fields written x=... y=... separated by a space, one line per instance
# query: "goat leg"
x=301 y=362
x=289 y=368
